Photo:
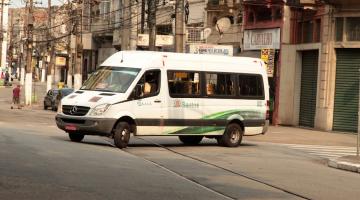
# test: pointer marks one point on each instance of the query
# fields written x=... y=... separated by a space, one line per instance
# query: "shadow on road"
x=136 y=142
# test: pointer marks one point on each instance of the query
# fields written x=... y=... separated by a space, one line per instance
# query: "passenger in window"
x=210 y=89
x=230 y=87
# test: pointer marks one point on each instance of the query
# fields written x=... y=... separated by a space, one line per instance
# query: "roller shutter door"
x=309 y=73
x=346 y=90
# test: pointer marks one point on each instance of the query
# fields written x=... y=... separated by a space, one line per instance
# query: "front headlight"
x=59 y=110
x=99 y=110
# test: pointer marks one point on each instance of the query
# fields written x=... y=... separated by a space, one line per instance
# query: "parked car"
x=54 y=96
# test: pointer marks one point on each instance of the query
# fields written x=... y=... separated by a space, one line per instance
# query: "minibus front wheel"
x=122 y=135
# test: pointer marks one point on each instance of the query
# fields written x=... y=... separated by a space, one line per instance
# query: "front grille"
x=75 y=110
x=73 y=121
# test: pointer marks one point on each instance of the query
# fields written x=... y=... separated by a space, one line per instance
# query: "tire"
x=232 y=136
x=122 y=135
x=76 y=137
x=190 y=140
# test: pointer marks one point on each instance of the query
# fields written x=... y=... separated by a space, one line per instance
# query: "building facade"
x=319 y=78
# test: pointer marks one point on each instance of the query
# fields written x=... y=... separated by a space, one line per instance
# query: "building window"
x=339 y=28
x=164 y=29
x=353 y=28
x=195 y=35
x=309 y=31
x=214 y=2
x=184 y=84
x=105 y=9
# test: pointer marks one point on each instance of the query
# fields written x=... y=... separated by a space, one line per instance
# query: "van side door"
x=148 y=103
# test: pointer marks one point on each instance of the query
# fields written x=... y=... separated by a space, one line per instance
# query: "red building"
x=263 y=23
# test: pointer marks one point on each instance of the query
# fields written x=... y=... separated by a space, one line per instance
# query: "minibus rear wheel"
x=122 y=135
x=76 y=137
x=190 y=140
x=232 y=136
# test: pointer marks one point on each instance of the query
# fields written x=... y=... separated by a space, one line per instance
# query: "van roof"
x=141 y=59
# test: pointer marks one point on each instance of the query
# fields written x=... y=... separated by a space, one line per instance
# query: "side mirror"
x=138 y=89
x=136 y=93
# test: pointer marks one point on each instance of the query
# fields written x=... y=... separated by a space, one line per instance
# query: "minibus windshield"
x=111 y=79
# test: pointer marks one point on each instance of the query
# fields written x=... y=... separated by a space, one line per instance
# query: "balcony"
x=102 y=26
x=344 y=2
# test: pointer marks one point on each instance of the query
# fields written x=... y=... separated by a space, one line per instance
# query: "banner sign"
x=268 y=56
x=60 y=61
x=226 y=50
x=161 y=40
x=262 y=39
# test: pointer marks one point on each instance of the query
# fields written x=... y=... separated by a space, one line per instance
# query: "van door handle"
x=157 y=101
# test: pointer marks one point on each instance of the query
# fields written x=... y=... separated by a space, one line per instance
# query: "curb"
x=347 y=166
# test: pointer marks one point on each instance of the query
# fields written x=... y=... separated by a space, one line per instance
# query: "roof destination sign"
x=258 y=39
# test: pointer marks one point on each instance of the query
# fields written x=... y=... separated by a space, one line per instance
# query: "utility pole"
x=50 y=66
x=142 y=22
x=28 y=76
x=78 y=48
x=179 y=26
x=133 y=7
x=2 y=32
x=69 y=49
x=126 y=25
x=152 y=24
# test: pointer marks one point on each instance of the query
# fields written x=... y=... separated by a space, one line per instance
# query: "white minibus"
x=170 y=94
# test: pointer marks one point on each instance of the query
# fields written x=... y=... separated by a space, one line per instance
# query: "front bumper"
x=85 y=125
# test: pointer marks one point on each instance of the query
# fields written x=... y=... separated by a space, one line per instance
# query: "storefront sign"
x=226 y=50
x=268 y=56
x=262 y=39
x=60 y=61
x=161 y=40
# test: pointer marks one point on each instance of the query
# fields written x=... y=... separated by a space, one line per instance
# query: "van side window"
x=251 y=86
x=220 y=84
x=149 y=84
x=184 y=83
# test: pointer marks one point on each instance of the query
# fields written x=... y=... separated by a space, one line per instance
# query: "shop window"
x=218 y=84
x=184 y=84
x=353 y=28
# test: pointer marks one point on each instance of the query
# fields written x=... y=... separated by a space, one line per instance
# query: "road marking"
x=323 y=151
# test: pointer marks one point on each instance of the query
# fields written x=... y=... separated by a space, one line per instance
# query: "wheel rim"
x=124 y=132
x=234 y=136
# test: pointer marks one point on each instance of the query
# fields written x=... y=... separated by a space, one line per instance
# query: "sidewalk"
x=303 y=136
x=38 y=93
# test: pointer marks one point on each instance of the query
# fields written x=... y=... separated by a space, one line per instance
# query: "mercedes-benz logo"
x=73 y=110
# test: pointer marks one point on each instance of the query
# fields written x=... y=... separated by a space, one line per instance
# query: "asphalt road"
x=37 y=161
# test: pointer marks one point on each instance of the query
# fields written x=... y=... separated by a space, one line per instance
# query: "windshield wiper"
x=103 y=90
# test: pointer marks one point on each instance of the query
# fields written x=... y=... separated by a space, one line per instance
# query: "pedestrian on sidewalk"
x=16 y=97
x=7 y=78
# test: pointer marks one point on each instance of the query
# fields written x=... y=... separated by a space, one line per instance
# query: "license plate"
x=70 y=127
